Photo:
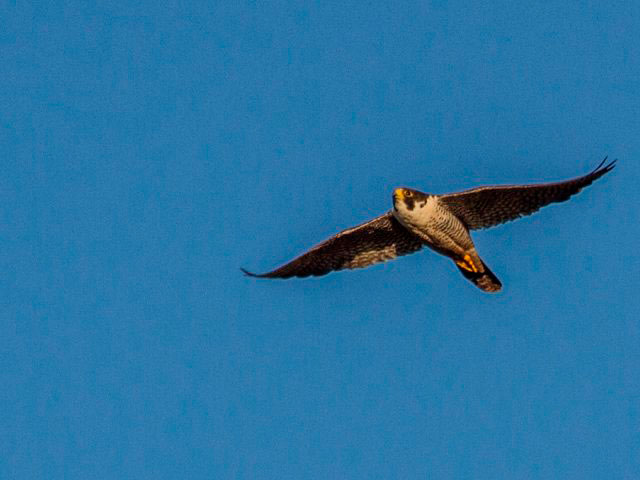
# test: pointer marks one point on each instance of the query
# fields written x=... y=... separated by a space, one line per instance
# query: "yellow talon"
x=467 y=259
x=465 y=266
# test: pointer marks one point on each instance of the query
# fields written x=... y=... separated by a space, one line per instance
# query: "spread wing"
x=377 y=240
x=488 y=206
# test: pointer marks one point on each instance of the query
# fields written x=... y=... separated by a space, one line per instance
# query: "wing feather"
x=485 y=207
x=377 y=240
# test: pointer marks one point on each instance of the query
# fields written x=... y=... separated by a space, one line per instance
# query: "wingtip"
x=280 y=273
x=611 y=165
x=247 y=273
x=602 y=168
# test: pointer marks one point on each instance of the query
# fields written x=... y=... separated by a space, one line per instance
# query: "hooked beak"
x=398 y=195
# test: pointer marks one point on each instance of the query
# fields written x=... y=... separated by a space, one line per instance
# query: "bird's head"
x=406 y=199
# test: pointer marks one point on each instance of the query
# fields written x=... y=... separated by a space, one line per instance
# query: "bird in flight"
x=440 y=222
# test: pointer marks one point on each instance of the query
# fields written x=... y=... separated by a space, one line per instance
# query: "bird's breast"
x=420 y=219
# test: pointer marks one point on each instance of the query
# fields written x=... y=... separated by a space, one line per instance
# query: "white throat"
x=423 y=212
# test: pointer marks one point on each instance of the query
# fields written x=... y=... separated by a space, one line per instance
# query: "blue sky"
x=151 y=149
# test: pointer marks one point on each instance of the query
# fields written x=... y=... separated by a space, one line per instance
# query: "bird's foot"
x=467 y=264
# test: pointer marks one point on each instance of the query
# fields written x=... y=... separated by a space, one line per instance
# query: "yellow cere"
x=399 y=193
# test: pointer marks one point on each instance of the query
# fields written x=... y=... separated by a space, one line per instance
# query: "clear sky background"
x=150 y=149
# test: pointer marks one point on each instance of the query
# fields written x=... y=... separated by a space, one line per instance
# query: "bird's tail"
x=474 y=269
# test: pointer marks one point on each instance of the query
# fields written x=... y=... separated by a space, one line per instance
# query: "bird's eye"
x=408 y=193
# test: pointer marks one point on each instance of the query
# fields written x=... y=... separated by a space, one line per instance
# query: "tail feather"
x=483 y=278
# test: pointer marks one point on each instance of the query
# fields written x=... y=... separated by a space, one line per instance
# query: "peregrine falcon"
x=440 y=222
